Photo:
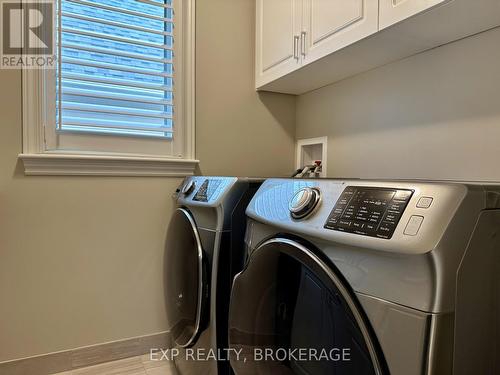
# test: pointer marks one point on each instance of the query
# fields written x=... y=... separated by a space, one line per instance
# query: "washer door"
x=290 y=304
x=186 y=286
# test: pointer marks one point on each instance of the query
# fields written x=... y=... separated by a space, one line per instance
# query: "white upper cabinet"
x=278 y=36
x=302 y=45
x=393 y=11
x=329 y=25
x=292 y=33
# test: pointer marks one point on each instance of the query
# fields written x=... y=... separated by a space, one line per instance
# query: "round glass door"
x=291 y=314
x=186 y=287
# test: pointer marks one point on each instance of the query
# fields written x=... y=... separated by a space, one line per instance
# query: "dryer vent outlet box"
x=311 y=149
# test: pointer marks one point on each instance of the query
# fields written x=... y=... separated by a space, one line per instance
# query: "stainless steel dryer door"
x=186 y=283
x=291 y=313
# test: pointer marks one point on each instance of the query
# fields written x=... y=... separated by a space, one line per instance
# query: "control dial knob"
x=188 y=187
x=304 y=202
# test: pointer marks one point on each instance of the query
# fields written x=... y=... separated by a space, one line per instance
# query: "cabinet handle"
x=303 y=43
x=296 y=47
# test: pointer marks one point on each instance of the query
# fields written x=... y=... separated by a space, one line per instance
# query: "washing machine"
x=369 y=277
x=204 y=250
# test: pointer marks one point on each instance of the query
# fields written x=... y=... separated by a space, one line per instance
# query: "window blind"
x=115 y=67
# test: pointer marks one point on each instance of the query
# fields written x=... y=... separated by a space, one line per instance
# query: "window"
x=115 y=75
x=120 y=100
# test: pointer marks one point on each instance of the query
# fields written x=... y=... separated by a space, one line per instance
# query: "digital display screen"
x=206 y=190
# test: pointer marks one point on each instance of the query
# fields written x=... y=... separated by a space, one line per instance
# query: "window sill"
x=76 y=164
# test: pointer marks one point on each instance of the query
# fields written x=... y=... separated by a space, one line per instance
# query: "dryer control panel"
x=369 y=211
x=204 y=191
x=207 y=189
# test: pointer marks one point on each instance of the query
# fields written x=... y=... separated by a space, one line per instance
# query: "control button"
x=349 y=213
x=391 y=218
x=338 y=210
x=371 y=227
x=331 y=223
x=344 y=223
x=188 y=187
x=301 y=199
x=395 y=206
x=363 y=233
x=424 y=202
x=332 y=220
x=394 y=212
x=334 y=215
x=304 y=202
x=376 y=214
x=403 y=194
x=343 y=200
x=413 y=225
x=358 y=225
x=386 y=228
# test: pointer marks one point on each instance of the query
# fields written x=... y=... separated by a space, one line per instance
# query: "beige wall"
x=239 y=131
x=81 y=257
x=434 y=115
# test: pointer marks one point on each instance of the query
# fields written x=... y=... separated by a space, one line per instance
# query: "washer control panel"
x=369 y=211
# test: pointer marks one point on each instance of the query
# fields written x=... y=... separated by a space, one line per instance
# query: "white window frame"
x=41 y=152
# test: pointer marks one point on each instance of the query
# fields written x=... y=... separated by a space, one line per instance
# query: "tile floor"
x=141 y=365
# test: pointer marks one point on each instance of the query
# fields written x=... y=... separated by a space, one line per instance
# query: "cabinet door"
x=277 y=38
x=330 y=25
x=393 y=11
